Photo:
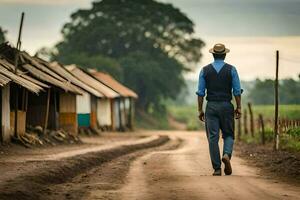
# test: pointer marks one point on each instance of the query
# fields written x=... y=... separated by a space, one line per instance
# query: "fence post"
x=251 y=120
x=262 y=125
x=239 y=128
x=245 y=122
x=276 y=134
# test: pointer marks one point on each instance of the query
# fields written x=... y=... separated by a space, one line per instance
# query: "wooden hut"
x=54 y=108
x=123 y=106
x=83 y=102
x=11 y=84
x=64 y=101
x=103 y=106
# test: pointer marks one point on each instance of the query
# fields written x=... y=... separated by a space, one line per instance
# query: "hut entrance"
x=37 y=107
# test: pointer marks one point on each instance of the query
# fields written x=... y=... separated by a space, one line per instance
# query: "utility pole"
x=276 y=134
x=18 y=47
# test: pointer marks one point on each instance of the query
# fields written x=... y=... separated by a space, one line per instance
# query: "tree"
x=129 y=30
x=152 y=82
x=263 y=92
x=2 y=35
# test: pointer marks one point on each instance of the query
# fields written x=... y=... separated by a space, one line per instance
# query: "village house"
x=53 y=109
x=84 y=102
x=124 y=105
x=10 y=82
x=102 y=108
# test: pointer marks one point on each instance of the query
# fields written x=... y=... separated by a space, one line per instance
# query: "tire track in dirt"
x=34 y=184
x=103 y=181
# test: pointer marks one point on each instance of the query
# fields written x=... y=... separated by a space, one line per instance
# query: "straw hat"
x=219 y=49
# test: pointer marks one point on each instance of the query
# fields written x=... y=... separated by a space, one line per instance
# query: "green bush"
x=294 y=132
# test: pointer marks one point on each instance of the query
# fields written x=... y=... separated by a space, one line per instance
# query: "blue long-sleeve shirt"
x=218 y=64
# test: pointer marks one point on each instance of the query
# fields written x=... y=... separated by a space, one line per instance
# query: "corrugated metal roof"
x=92 y=82
x=19 y=80
x=63 y=75
x=3 y=80
x=46 y=77
x=33 y=61
x=34 y=80
x=58 y=68
x=11 y=67
x=39 y=70
x=114 y=84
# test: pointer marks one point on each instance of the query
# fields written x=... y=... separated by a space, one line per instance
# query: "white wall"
x=116 y=114
x=83 y=103
x=104 y=112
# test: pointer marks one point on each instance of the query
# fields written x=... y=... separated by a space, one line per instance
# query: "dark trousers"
x=219 y=116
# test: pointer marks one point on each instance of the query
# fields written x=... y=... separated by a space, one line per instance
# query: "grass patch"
x=187 y=115
x=291 y=140
x=285 y=111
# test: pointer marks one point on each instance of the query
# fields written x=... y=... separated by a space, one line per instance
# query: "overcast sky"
x=252 y=29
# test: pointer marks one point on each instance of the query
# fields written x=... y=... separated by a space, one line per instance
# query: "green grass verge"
x=289 y=141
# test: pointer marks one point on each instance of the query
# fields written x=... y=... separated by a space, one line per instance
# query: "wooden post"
x=262 y=125
x=245 y=123
x=16 y=71
x=112 y=110
x=276 y=135
x=120 y=115
x=130 y=114
x=239 y=128
x=47 y=111
x=251 y=120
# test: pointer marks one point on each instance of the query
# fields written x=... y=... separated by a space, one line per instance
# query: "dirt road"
x=177 y=168
x=185 y=173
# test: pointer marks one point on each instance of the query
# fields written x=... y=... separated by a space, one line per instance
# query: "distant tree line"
x=146 y=44
x=263 y=91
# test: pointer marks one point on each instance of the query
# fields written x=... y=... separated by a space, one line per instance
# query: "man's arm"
x=238 y=110
x=201 y=93
x=200 y=108
x=237 y=91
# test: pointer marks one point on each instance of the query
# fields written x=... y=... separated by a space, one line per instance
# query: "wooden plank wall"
x=67 y=112
x=21 y=122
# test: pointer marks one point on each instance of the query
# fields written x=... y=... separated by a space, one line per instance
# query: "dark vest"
x=218 y=85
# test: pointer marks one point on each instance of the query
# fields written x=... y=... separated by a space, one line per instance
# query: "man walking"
x=219 y=80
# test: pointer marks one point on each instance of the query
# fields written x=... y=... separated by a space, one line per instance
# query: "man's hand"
x=201 y=116
x=238 y=113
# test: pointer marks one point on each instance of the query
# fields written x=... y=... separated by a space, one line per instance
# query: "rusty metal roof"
x=58 y=68
x=92 y=82
x=113 y=84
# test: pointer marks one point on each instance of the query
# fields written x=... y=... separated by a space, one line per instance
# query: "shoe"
x=226 y=161
x=217 y=172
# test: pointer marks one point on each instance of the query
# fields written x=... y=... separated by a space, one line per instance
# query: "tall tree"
x=2 y=35
x=129 y=30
